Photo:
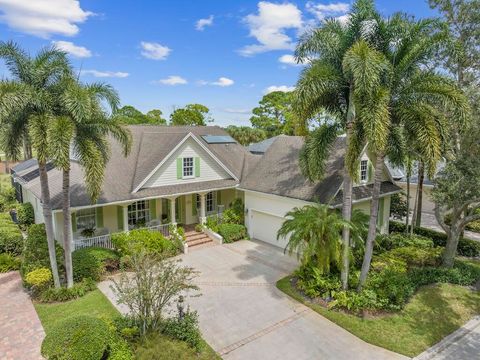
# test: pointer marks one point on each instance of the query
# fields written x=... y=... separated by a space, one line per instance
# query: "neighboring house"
x=184 y=174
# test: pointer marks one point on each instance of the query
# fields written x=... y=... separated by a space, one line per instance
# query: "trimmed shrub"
x=11 y=240
x=78 y=338
x=39 y=279
x=8 y=263
x=25 y=214
x=466 y=247
x=387 y=242
x=93 y=262
x=414 y=257
x=142 y=239
x=232 y=232
x=35 y=251
x=78 y=289
x=158 y=347
x=185 y=329
x=7 y=198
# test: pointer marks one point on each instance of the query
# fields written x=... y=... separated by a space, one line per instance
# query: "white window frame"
x=137 y=211
x=84 y=217
x=190 y=168
x=363 y=171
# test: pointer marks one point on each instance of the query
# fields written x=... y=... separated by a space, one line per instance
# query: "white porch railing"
x=104 y=241
x=163 y=229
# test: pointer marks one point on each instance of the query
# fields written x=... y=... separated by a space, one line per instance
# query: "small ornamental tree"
x=457 y=193
x=152 y=286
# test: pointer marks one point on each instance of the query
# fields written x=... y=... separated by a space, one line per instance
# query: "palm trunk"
x=347 y=198
x=67 y=227
x=421 y=177
x=372 y=227
x=408 y=203
x=48 y=218
x=415 y=209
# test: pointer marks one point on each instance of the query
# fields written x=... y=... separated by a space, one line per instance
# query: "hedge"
x=232 y=232
x=142 y=239
x=466 y=247
x=11 y=240
x=93 y=262
x=35 y=252
x=25 y=214
x=8 y=263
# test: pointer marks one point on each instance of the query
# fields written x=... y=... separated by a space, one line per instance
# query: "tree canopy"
x=129 y=115
x=191 y=114
x=246 y=135
x=274 y=114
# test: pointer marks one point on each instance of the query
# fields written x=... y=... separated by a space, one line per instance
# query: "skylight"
x=218 y=139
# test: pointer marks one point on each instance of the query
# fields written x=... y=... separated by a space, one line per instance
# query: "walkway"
x=244 y=316
x=430 y=221
x=463 y=344
x=21 y=332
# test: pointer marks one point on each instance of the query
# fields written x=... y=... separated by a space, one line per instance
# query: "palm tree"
x=81 y=129
x=326 y=86
x=314 y=234
x=414 y=97
x=27 y=103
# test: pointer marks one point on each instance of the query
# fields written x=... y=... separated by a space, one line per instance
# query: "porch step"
x=193 y=238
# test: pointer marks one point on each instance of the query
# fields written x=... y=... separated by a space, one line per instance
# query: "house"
x=182 y=175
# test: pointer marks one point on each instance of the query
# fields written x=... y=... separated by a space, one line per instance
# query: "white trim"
x=189 y=135
x=277 y=196
x=268 y=213
x=129 y=201
x=183 y=167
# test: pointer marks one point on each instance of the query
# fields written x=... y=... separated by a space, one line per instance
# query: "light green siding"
x=153 y=209
x=99 y=217
x=120 y=217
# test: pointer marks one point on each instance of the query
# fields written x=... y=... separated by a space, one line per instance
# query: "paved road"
x=244 y=316
x=21 y=332
x=430 y=221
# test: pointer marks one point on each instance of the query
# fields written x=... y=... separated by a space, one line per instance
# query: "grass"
x=92 y=304
x=96 y=304
x=433 y=312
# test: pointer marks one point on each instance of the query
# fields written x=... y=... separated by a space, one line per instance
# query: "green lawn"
x=96 y=304
x=92 y=304
x=433 y=312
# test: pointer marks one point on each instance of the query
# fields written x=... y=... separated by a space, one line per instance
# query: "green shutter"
x=381 y=211
x=197 y=167
x=179 y=168
x=219 y=198
x=120 y=218
x=74 y=222
x=99 y=217
x=194 y=204
x=153 y=209
x=370 y=171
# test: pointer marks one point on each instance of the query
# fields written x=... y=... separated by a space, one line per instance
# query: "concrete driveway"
x=244 y=316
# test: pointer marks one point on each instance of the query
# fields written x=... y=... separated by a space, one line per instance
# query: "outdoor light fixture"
x=181 y=307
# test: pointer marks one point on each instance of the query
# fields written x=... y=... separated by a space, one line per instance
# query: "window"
x=138 y=213
x=86 y=219
x=210 y=202
x=363 y=170
x=188 y=167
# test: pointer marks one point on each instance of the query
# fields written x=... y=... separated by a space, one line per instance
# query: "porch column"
x=125 y=217
x=203 y=205
x=172 y=211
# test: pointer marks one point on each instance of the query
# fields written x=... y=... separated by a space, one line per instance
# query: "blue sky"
x=165 y=54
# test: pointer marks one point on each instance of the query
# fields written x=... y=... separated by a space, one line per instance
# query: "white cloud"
x=222 y=81
x=288 y=59
x=323 y=11
x=106 y=74
x=43 y=18
x=72 y=49
x=269 y=26
x=172 y=80
x=155 y=51
x=202 y=23
x=283 y=88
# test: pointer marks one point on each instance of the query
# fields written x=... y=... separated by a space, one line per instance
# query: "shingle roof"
x=365 y=192
x=262 y=146
x=151 y=144
x=278 y=171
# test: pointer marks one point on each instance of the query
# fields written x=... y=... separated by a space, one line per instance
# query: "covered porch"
x=93 y=226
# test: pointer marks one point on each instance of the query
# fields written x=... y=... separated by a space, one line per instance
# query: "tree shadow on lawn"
x=439 y=310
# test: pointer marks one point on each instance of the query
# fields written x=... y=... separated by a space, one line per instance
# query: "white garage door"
x=264 y=227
